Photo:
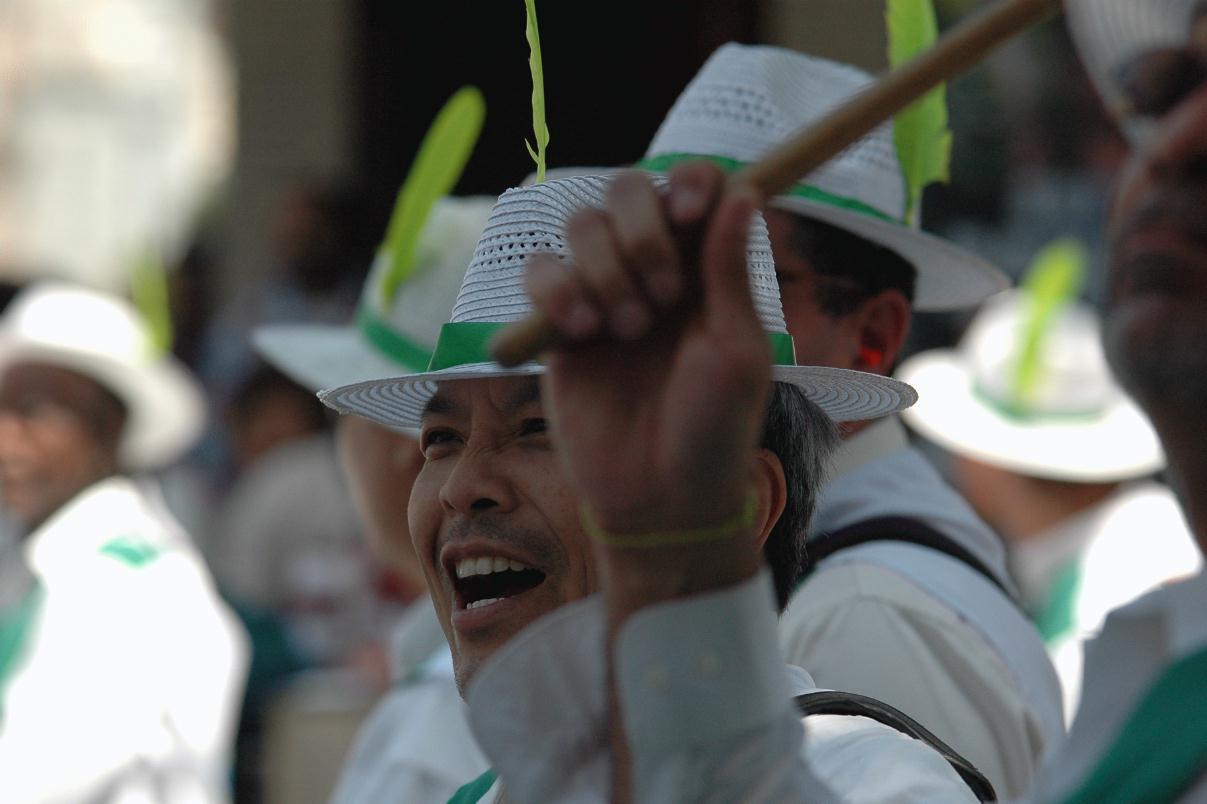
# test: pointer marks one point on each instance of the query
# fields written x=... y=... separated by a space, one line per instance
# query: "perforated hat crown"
x=531 y=220
x=748 y=99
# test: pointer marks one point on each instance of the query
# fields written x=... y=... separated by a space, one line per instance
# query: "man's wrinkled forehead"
x=506 y=395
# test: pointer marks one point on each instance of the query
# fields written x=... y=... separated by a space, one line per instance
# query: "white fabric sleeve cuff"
x=701 y=670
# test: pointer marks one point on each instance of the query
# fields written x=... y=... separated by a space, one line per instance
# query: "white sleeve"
x=707 y=712
x=705 y=701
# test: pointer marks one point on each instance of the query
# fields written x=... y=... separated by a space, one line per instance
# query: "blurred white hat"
x=390 y=336
x=103 y=337
x=1074 y=423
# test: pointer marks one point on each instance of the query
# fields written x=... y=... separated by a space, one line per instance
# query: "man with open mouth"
x=594 y=528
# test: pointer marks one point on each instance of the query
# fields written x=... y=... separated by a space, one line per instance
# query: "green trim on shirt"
x=14 y=632
x=1161 y=751
x=130 y=550
x=476 y=790
x=1058 y=616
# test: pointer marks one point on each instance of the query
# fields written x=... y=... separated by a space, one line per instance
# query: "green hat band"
x=664 y=162
x=469 y=342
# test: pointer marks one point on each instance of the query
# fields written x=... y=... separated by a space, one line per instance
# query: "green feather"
x=438 y=165
x=1054 y=279
x=149 y=292
x=920 y=131
x=539 y=128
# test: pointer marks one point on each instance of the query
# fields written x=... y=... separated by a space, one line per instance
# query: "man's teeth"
x=487 y=565
x=477 y=604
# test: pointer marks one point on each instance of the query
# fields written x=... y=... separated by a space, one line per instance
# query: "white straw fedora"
x=528 y=220
x=104 y=338
x=747 y=99
x=1111 y=34
x=1074 y=425
x=389 y=336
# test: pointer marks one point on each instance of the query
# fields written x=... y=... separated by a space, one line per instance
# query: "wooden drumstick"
x=965 y=45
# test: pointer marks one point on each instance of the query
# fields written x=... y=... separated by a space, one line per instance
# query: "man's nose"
x=478 y=484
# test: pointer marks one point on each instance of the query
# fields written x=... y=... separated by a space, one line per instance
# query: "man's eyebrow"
x=437 y=405
x=525 y=395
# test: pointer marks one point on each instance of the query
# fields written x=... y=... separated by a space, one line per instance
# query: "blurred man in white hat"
x=1140 y=733
x=642 y=446
x=416 y=744
x=909 y=599
x=1053 y=454
x=121 y=671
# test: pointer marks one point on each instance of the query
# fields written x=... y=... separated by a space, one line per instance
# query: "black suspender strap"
x=828 y=702
x=894 y=529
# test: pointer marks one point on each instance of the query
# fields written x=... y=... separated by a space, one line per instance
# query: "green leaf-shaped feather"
x=442 y=157
x=149 y=292
x=1054 y=279
x=539 y=128
x=920 y=130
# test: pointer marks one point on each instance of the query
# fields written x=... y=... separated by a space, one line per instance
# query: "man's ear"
x=771 y=487
x=882 y=324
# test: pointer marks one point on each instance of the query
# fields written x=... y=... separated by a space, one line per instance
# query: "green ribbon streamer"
x=469 y=342
x=1162 y=750
x=395 y=346
x=664 y=162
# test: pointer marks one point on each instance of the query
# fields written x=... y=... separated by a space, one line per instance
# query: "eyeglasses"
x=1157 y=81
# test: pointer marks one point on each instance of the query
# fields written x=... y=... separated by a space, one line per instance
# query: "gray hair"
x=803 y=438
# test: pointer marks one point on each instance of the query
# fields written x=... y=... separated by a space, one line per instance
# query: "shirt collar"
x=880 y=438
x=82 y=525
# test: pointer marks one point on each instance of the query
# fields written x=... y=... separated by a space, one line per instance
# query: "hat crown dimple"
x=746 y=100
x=531 y=220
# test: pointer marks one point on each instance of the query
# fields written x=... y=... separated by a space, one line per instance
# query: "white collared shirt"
x=129 y=686
x=708 y=714
x=919 y=629
x=1136 y=644
x=1111 y=569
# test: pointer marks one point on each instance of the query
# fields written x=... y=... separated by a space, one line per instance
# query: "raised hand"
x=656 y=400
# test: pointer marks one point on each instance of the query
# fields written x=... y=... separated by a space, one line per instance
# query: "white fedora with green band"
x=416 y=275
x=390 y=335
x=748 y=99
x=530 y=220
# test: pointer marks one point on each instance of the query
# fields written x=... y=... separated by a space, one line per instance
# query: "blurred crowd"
x=219 y=571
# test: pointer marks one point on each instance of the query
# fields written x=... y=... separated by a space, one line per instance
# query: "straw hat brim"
x=1116 y=445
x=949 y=278
x=318 y=356
x=842 y=394
x=165 y=406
